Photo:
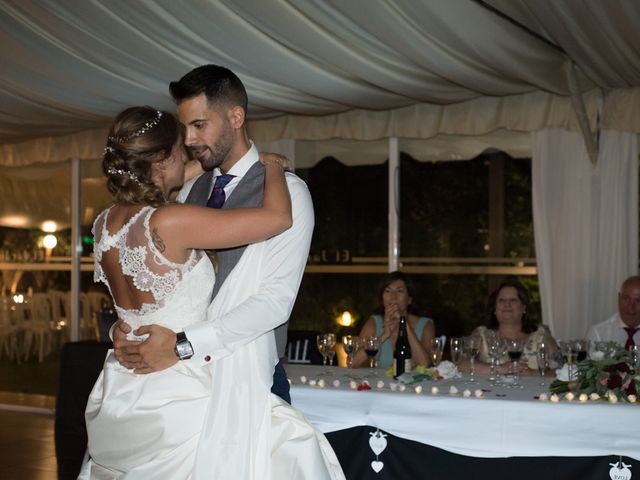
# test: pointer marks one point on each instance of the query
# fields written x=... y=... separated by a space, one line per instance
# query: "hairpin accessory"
x=127 y=173
x=141 y=131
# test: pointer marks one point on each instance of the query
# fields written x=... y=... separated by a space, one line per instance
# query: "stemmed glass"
x=496 y=350
x=437 y=347
x=634 y=352
x=322 y=347
x=570 y=355
x=371 y=347
x=514 y=349
x=455 y=347
x=330 y=344
x=350 y=344
x=472 y=350
x=542 y=362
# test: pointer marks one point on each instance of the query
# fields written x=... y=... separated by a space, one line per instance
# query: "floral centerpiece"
x=606 y=374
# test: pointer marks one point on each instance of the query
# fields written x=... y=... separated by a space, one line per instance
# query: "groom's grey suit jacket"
x=248 y=193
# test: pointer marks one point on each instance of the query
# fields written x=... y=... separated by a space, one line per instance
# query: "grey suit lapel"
x=201 y=190
x=248 y=193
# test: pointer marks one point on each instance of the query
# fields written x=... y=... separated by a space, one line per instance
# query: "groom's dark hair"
x=219 y=84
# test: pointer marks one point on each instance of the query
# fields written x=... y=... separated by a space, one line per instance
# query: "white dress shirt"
x=612 y=329
x=283 y=264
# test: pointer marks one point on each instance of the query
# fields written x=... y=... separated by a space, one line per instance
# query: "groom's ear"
x=236 y=115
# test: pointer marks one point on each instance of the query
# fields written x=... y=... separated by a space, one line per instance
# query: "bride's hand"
x=267 y=157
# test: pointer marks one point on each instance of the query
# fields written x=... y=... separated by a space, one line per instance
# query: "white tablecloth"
x=511 y=424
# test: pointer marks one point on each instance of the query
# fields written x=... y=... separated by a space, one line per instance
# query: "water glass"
x=542 y=362
x=455 y=346
x=471 y=347
x=350 y=344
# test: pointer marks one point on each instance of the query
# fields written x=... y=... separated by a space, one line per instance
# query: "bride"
x=189 y=421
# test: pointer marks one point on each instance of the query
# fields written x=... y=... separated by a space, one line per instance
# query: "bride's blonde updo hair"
x=138 y=137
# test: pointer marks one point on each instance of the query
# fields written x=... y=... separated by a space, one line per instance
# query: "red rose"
x=622 y=367
x=615 y=381
x=631 y=389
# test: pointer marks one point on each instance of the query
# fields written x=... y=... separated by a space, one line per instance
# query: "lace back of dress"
x=137 y=274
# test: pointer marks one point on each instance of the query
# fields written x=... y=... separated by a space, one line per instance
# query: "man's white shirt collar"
x=242 y=166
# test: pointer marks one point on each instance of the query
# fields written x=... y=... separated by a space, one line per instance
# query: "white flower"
x=336 y=383
x=583 y=397
x=418 y=389
x=453 y=390
x=447 y=369
x=543 y=397
x=466 y=393
x=554 y=398
x=380 y=384
x=594 y=396
x=435 y=390
x=303 y=379
x=478 y=393
x=569 y=396
x=596 y=355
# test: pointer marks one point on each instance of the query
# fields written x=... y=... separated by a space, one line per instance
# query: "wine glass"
x=496 y=349
x=542 y=362
x=322 y=347
x=634 y=352
x=514 y=349
x=569 y=354
x=472 y=350
x=371 y=346
x=437 y=347
x=455 y=347
x=580 y=348
x=330 y=345
x=350 y=344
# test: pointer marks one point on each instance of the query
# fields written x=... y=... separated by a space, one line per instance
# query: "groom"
x=212 y=103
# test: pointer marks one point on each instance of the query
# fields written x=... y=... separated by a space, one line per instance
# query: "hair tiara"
x=118 y=171
x=141 y=131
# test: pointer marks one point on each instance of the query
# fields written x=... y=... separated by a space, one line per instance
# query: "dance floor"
x=27 y=450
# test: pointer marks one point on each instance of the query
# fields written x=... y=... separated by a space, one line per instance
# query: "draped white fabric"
x=586 y=226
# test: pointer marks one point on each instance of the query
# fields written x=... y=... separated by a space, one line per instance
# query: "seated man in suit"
x=624 y=326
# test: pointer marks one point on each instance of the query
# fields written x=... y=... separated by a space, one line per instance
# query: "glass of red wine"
x=514 y=350
x=371 y=347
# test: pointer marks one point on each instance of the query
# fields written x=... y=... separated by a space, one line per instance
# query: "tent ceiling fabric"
x=72 y=65
x=448 y=77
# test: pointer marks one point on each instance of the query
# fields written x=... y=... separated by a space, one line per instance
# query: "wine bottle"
x=402 y=351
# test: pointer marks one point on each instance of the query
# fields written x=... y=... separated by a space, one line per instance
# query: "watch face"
x=184 y=349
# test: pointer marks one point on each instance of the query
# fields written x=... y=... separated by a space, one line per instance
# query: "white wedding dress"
x=218 y=421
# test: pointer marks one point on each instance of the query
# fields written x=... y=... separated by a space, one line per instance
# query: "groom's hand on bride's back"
x=155 y=353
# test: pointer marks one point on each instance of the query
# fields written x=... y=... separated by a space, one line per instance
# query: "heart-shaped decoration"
x=617 y=473
x=377 y=466
x=377 y=442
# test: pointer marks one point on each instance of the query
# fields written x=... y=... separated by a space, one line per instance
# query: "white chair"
x=38 y=329
x=8 y=336
x=298 y=351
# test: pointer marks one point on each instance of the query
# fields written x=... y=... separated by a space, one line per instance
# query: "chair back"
x=302 y=347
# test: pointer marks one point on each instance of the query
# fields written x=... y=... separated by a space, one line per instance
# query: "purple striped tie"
x=217 y=196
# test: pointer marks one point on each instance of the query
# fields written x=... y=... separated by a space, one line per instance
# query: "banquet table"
x=505 y=433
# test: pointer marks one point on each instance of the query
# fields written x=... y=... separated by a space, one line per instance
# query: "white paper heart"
x=377 y=466
x=617 y=473
x=377 y=442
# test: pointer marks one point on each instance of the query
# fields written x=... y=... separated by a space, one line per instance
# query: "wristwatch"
x=183 y=349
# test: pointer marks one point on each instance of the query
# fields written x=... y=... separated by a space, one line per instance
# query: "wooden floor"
x=27 y=449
